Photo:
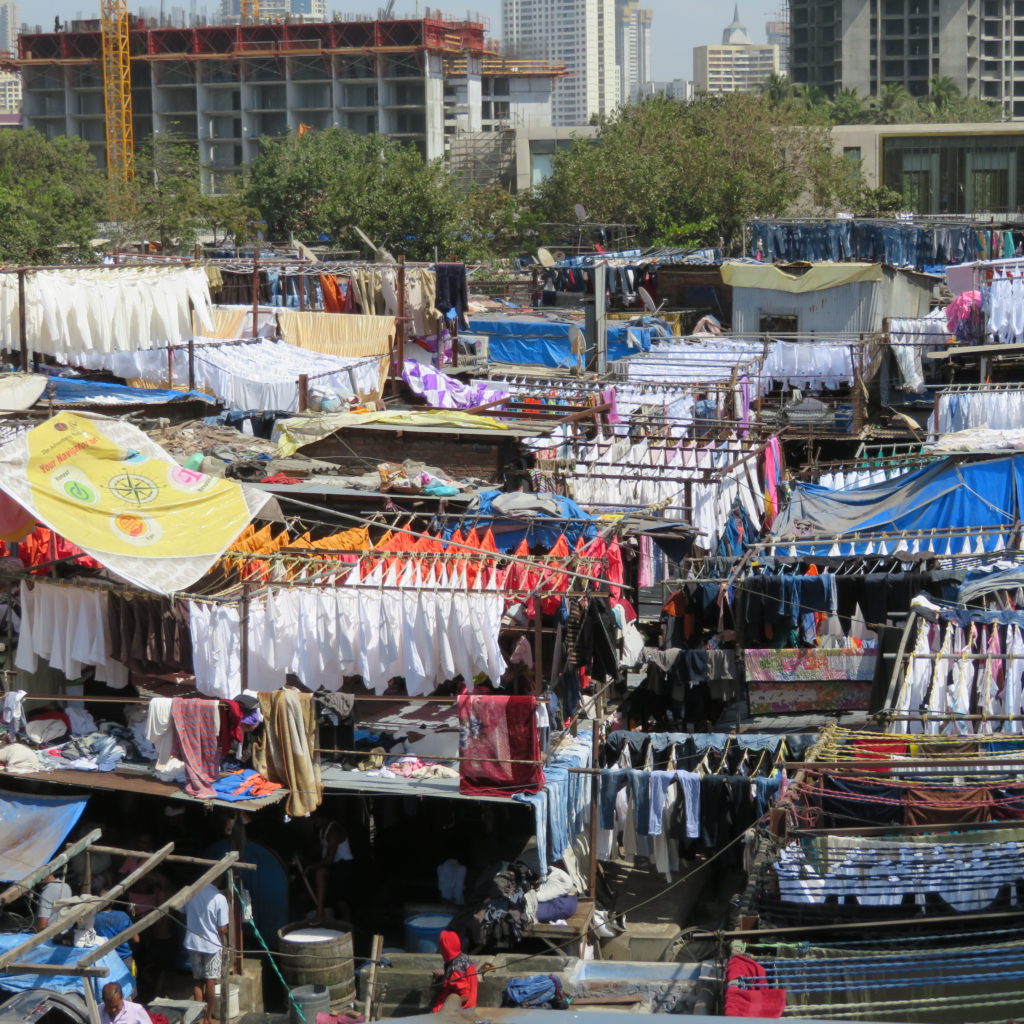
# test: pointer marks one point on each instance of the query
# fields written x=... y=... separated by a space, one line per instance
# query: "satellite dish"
x=581 y=212
x=544 y=258
x=645 y=298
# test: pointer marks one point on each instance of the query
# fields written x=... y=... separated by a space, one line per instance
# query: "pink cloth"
x=961 y=308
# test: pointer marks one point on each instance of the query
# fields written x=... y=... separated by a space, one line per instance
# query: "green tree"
x=52 y=197
x=943 y=94
x=327 y=182
x=778 y=89
x=696 y=171
x=166 y=200
x=497 y=222
x=894 y=105
x=848 y=107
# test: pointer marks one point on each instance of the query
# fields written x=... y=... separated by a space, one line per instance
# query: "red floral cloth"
x=494 y=733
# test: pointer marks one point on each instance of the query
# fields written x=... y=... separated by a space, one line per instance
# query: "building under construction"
x=226 y=86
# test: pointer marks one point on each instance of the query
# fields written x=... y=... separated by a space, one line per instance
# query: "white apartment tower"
x=737 y=65
x=10 y=84
x=632 y=46
x=271 y=10
x=579 y=34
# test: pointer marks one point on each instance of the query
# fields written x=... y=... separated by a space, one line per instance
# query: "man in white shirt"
x=206 y=927
x=118 y=1010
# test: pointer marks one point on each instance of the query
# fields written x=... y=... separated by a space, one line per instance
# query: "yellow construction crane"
x=249 y=11
x=117 y=91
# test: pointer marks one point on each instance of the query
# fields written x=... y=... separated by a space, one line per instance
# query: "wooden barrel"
x=316 y=955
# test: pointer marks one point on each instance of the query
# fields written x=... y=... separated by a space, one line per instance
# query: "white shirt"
x=205 y=914
x=130 y=1013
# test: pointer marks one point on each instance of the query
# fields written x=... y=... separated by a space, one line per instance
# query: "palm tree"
x=811 y=98
x=778 y=89
x=892 y=103
x=848 y=107
x=943 y=93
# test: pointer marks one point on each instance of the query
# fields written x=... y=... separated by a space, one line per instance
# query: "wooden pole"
x=22 y=329
x=90 y=1001
x=176 y=902
x=225 y=959
x=243 y=669
x=595 y=810
x=303 y=385
x=371 y=982
x=191 y=363
x=85 y=909
x=538 y=648
x=256 y=292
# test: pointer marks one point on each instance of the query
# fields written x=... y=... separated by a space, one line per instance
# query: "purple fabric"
x=561 y=908
x=444 y=392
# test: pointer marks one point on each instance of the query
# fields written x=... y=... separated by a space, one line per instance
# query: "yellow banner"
x=105 y=486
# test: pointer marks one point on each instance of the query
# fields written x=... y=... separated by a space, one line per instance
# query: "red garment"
x=878 y=750
x=280 y=478
x=460 y=978
x=751 y=1002
x=496 y=735
x=230 y=725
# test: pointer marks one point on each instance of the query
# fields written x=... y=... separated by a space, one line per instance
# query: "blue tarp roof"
x=48 y=953
x=951 y=493
x=68 y=391
x=537 y=341
x=31 y=829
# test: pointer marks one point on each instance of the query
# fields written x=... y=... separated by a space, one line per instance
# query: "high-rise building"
x=776 y=33
x=632 y=46
x=10 y=84
x=579 y=34
x=737 y=65
x=275 y=10
x=868 y=44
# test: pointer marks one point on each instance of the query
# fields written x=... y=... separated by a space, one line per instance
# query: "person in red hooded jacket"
x=458 y=978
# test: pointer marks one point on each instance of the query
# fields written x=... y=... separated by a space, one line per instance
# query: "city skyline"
x=679 y=25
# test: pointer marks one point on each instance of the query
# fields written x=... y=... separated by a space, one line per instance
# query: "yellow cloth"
x=305 y=430
x=341 y=334
x=818 y=278
x=227 y=323
x=286 y=749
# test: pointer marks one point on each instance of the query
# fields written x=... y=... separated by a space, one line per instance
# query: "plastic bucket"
x=311 y=1000
x=422 y=932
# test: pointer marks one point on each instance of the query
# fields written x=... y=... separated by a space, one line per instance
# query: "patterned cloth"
x=502 y=733
x=196 y=741
x=444 y=392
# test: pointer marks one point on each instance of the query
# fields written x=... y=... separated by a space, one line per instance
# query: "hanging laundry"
x=196 y=726
x=498 y=745
x=284 y=751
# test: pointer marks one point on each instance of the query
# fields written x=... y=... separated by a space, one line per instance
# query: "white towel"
x=159 y=731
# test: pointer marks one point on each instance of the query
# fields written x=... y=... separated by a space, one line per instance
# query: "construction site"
x=424 y=81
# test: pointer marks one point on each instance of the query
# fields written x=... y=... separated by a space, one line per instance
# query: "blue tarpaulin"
x=541 y=529
x=48 y=953
x=951 y=493
x=69 y=391
x=539 y=342
x=31 y=829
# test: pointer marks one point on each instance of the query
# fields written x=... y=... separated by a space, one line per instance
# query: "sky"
x=678 y=26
